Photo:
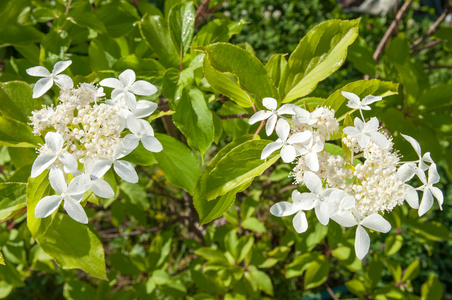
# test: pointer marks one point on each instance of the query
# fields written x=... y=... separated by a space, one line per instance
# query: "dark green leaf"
x=181 y=21
x=317 y=272
x=393 y=244
x=432 y=289
x=16 y=101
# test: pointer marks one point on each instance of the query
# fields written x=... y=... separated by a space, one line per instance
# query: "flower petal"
x=346 y=219
x=426 y=203
x=69 y=162
x=313 y=182
x=270 y=148
x=126 y=171
x=64 y=81
x=288 y=153
x=299 y=137
x=270 y=103
x=363 y=140
x=370 y=99
x=75 y=210
x=300 y=223
x=130 y=100
x=151 y=143
x=352 y=131
x=412 y=197
x=130 y=142
x=61 y=66
x=112 y=83
x=406 y=172
x=57 y=180
x=79 y=185
x=286 y=109
x=379 y=139
x=47 y=205
x=143 y=88
x=54 y=141
x=144 y=108
x=259 y=116
x=438 y=194
x=134 y=124
x=321 y=213
x=271 y=122
x=282 y=129
x=283 y=209
x=42 y=162
x=99 y=168
x=362 y=242
x=433 y=176
x=42 y=86
x=377 y=223
x=312 y=161
x=38 y=71
x=413 y=143
x=127 y=77
x=102 y=189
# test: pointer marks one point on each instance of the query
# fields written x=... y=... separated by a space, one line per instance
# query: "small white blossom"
x=141 y=131
x=44 y=84
x=272 y=114
x=430 y=191
x=366 y=132
x=93 y=176
x=355 y=103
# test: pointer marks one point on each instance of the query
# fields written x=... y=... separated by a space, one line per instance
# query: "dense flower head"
x=84 y=135
x=357 y=187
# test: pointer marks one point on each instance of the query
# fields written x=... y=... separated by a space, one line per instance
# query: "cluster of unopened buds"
x=353 y=189
x=85 y=135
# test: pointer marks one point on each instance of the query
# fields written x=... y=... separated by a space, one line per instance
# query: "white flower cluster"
x=354 y=189
x=85 y=129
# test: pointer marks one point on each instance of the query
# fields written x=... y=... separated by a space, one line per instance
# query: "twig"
x=330 y=291
x=237 y=116
x=426 y=46
x=259 y=129
x=437 y=67
x=391 y=29
x=203 y=12
x=287 y=188
x=16 y=214
x=433 y=27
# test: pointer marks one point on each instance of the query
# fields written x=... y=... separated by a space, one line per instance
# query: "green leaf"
x=445 y=34
x=317 y=272
x=276 y=67
x=213 y=32
x=178 y=163
x=16 y=101
x=432 y=289
x=212 y=255
x=155 y=32
x=226 y=83
x=361 y=88
x=320 y=53
x=103 y=52
x=141 y=156
x=297 y=267
x=194 y=118
x=244 y=247
x=252 y=76
x=37 y=188
x=118 y=17
x=240 y=165
x=17 y=134
x=356 y=287
x=181 y=21
x=77 y=290
x=13 y=198
x=74 y=246
x=123 y=264
x=254 y=225
x=436 y=97
x=2 y=260
x=19 y=35
x=432 y=230
x=361 y=57
x=393 y=244
x=412 y=271
x=262 y=279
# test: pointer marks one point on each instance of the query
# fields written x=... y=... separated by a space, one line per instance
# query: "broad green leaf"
x=155 y=32
x=211 y=255
x=299 y=264
x=263 y=280
x=244 y=247
x=361 y=57
x=356 y=287
x=13 y=198
x=181 y=22
x=431 y=230
x=173 y=84
x=103 y=52
x=141 y=66
x=169 y=5
x=320 y=53
x=436 y=97
x=373 y=274
x=77 y=290
x=141 y=156
x=17 y=134
x=240 y=165
x=213 y=32
x=398 y=50
x=37 y=188
x=226 y=83
x=432 y=289
x=123 y=264
x=317 y=272
x=10 y=10
x=251 y=74
x=393 y=243
x=276 y=67
x=118 y=17
x=254 y=225
x=74 y=246
x=361 y=88
x=19 y=35
x=16 y=101
x=445 y=34
x=412 y=271
x=178 y=163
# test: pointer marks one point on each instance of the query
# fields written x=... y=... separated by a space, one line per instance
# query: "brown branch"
x=391 y=29
x=330 y=291
x=426 y=46
x=203 y=12
x=437 y=67
x=259 y=129
x=16 y=214
x=237 y=116
x=434 y=27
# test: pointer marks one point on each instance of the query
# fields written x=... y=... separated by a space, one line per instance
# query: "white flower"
x=272 y=114
x=342 y=202
x=123 y=168
x=430 y=190
x=44 y=84
x=285 y=143
x=126 y=88
x=141 y=131
x=366 y=132
x=305 y=117
x=54 y=145
x=362 y=240
x=93 y=177
x=422 y=159
x=310 y=149
x=355 y=103
x=72 y=195
x=285 y=208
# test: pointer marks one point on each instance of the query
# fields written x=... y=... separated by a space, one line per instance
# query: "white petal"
x=352 y=131
x=413 y=143
x=406 y=172
x=259 y=116
x=371 y=99
x=271 y=122
x=321 y=214
x=151 y=143
x=363 y=140
x=127 y=77
x=130 y=142
x=112 y=83
x=102 y=189
x=42 y=86
x=318 y=146
x=299 y=137
x=270 y=148
x=126 y=171
x=313 y=182
x=426 y=203
x=379 y=139
x=427 y=158
x=38 y=71
x=64 y=81
x=438 y=195
x=270 y=103
x=346 y=219
x=75 y=210
x=147 y=128
x=372 y=125
x=286 y=109
x=47 y=205
x=288 y=153
x=144 y=108
x=433 y=176
x=42 y=162
x=282 y=129
x=100 y=168
x=362 y=242
x=312 y=161
x=377 y=223
x=421 y=175
x=359 y=124
x=61 y=66
x=69 y=162
x=283 y=209
x=54 y=141
x=304 y=201
x=134 y=124
x=143 y=88
x=131 y=101
x=350 y=96
x=57 y=180
x=79 y=185
x=412 y=197
x=300 y=223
